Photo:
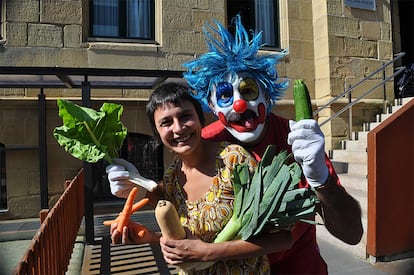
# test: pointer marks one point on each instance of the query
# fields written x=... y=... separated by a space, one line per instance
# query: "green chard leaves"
x=90 y=135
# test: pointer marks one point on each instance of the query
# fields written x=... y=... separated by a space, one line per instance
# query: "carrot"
x=138 y=229
x=138 y=205
x=110 y=222
x=125 y=215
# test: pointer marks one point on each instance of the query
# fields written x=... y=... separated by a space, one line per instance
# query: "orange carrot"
x=138 y=229
x=138 y=205
x=125 y=215
x=110 y=222
x=142 y=232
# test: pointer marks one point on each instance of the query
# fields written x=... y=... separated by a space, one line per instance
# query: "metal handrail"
x=349 y=90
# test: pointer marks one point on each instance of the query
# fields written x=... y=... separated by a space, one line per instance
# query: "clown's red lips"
x=245 y=122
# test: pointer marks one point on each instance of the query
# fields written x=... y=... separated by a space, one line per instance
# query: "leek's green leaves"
x=270 y=200
x=90 y=135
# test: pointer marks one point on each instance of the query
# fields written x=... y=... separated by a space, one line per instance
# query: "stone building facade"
x=331 y=45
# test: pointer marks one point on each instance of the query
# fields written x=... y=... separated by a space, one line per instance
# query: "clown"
x=240 y=87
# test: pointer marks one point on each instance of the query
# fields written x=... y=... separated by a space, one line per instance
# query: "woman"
x=198 y=183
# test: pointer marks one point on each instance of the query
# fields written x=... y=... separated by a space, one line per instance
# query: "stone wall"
x=349 y=44
x=328 y=44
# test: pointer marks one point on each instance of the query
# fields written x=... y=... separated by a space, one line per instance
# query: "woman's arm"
x=179 y=251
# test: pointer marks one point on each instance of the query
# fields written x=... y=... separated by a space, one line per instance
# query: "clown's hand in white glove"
x=308 y=147
x=123 y=176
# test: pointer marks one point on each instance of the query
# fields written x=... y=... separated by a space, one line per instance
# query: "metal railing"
x=52 y=245
x=348 y=91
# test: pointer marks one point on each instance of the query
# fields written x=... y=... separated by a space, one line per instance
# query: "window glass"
x=257 y=15
x=131 y=19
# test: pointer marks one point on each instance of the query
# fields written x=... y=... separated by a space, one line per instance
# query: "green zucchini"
x=301 y=99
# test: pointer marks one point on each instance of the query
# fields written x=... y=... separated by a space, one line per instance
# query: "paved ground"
x=15 y=238
x=341 y=262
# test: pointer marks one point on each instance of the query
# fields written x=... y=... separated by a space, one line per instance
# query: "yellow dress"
x=208 y=215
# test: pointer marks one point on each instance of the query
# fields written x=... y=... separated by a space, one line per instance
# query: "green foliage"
x=90 y=135
x=270 y=200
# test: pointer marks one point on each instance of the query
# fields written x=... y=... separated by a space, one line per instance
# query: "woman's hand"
x=133 y=233
x=186 y=250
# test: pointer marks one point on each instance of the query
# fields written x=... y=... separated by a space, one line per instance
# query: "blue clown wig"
x=233 y=54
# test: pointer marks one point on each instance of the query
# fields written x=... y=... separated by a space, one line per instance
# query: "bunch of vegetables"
x=270 y=200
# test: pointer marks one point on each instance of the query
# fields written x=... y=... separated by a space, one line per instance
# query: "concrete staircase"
x=350 y=163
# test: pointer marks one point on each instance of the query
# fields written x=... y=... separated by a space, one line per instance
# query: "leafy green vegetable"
x=270 y=200
x=90 y=135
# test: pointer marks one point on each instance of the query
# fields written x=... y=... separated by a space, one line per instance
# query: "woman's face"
x=178 y=126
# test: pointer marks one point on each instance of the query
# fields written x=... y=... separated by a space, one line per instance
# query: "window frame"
x=123 y=27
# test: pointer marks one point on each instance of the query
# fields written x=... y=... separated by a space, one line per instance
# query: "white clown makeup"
x=241 y=105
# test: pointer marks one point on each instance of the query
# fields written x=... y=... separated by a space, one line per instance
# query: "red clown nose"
x=240 y=106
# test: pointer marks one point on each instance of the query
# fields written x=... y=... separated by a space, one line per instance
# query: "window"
x=257 y=15
x=125 y=19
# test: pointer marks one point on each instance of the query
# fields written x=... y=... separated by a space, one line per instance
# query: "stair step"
x=369 y=126
x=362 y=135
x=382 y=117
x=393 y=109
x=356 y=168
x=349 y=156
x=340 y=166
x=357 y=182
x=354 y=145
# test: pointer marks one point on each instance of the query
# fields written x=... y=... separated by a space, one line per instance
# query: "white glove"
x=308 y=147
x=123 y=176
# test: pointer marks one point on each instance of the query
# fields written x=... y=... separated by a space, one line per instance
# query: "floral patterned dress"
x=206 y=216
